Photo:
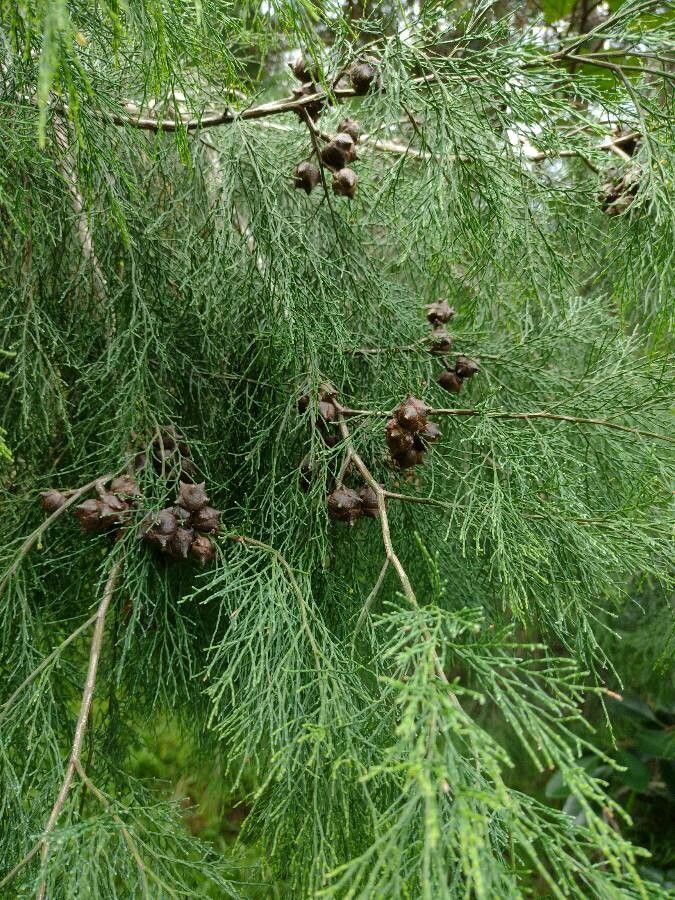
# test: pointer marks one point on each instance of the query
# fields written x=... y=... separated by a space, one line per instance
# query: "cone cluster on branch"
x=439 y=314
x=340 y=150
x=409 y=432
x=327 y=414
x=451 y=380
x=619 y=190
x=180 y=531
x=363 y=76
x=307 y=74
x=108 y=512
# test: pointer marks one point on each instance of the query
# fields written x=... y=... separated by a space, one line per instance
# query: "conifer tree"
x=338 y=398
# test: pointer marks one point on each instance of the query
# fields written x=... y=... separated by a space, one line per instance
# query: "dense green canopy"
x=423 y=704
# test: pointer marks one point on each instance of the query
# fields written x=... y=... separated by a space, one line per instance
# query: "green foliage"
x=449 y=733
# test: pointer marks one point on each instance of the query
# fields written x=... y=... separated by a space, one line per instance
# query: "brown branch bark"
x=80 y=728
x=85 y=708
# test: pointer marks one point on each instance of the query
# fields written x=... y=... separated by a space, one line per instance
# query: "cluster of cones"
x=451 y=379
x=340 y=150
x=180 y=531
x=327 y=414
x=620 y=189
x=336 y=154
x=438 y=315
x=409 y=432
x=110 y=511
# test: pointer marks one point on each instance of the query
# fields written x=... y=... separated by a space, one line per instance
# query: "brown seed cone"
x=345 y=142
x=334 y=156
x=302 y=69
x=202 y=550
x=52 y=500
x=344 y=505
x=306 y=176
x=125 y=486
x=187 y=467
x=409 y=459
x=465 y=367
x=351 y=127
x=88 y=515
x=206 y=519
x=440 y=312
x=362 y=75
x=303 y=404
x=192 y=496
x=112 y=510
x=369 y=505
x=183 y=516
x=411 y=414
x=330 y=439
x=450 y=381
x=430 y=433
x=180 y=543
x=315 y=107
x=345 y=183
x=441 y=341
x=140 y=461
x=169 y=438
x=399 y=439
x=327 y=411
x=163 y=459
x=158 y=541
x=162 y=525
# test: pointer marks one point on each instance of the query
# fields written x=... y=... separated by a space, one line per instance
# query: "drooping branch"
x=80 y=729
x=83 y=717
x=380 y=493
x=295 y=587
x=91 y=787
x=391 y=555
x=7 y=705
x=533 y=416
x=84 y=233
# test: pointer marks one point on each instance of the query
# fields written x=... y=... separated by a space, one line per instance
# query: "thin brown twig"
x=539 y=414
x=228 y=116
x=85 y=708
x=84 y=232
x=264 y=110
x=344 y=467
x=370 y=599
x=35 y=536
